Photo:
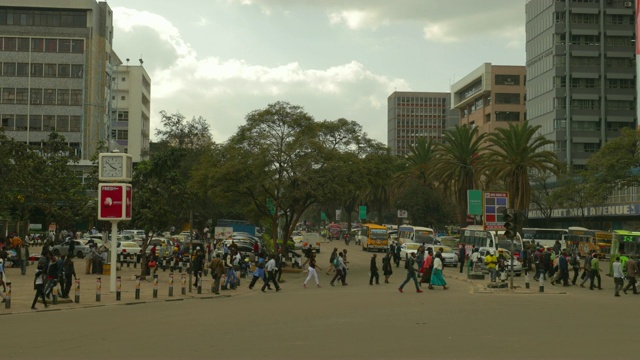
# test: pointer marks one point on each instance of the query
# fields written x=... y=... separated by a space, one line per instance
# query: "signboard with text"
x=494 y=204
x=114 y=201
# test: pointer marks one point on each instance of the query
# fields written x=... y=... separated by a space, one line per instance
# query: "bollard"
x=118 y=288
x=213 y=282
x=137 y=287
x=199 y=282
x=129 y=256
x=183 y=281
x=526 y=279
x=170 y=284
x=155 y=286
x=541 y=283
x=98 y=289
x=7 y=294
x=77 y=292
x=54 y=295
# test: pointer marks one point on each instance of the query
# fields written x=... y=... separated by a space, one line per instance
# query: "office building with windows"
x=130 y=109
x=413 y=115
x=55 y=58
x=490 y=97
x=581 y=73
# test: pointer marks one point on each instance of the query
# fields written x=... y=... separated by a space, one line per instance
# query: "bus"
x=545 y=237
x=584 y=240
x=416 y=234
x=475 y=236
x=625 y=243
x=373 y=237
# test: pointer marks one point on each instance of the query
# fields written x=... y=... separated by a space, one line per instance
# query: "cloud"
x=210 y=86
x=356 y=19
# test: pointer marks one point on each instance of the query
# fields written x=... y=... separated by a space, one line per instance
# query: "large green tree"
x=617 y=163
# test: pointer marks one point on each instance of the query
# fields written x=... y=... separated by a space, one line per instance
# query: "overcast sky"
x=221 y=59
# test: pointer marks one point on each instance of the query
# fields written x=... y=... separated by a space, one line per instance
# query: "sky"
x=222 y=59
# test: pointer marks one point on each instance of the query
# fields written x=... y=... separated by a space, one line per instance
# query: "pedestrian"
x=373 y=270
x=563 y=267
x=217 y=269
x=313 y=267
x=501 y=267
x=270 y=268
x=595 y=272
x=4 y=289
x=345 y=267
x=475 y=259
x=259 y=273
x=198 y=265
x=396 y=255
x=632 y=272
x=462 y=256
x=575 y=265
x=280 y=261
x=38 y=286
x=387 y=269
x=618 y=276
x=410 y=266
x=53 y=274
x=427 y=268
x=89 y=259
x=69 y=271
x=23 y=257
x=586 y=269
x=437 y=279
x=332 y=258
x=338 y=264
x=491 y=262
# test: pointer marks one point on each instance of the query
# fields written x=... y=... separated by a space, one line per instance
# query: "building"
x=55 y=57
x=412 y=115
x=130 y=109
x=490 y=97
x=581 y=75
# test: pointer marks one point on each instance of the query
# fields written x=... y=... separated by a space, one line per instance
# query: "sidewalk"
x=22 y=292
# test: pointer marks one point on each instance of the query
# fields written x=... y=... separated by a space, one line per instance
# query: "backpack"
x=407 y=264
x=336 y=262
x=573 y=261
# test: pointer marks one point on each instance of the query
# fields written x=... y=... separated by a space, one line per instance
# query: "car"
x=517 y=265
x=97 y=242
x=449 y=256
x=128 y=248
x=135 y=233
x=163 y=246
x=407 y=249
x=80 y=249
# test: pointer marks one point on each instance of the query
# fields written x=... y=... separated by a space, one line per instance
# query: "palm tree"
x=418 y=165
x=515 y=153
x=458 y=164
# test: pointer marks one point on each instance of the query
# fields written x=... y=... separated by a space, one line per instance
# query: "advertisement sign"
x=402 y=213
x=363 y=212
x=223 y=232
x=114 y=201
x=494 y=204
x=474 y=202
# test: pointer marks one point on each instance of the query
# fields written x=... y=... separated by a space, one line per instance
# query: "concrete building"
x=490 y=97
x=581 y=77
x=55 y=58
x=412 y=115
x=130 y=109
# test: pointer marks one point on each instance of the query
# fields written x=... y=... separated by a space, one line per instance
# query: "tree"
x=616 y=164
x=459 y=165
x=516 y=151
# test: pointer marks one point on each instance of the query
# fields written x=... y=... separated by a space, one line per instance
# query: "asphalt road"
x=357 y=321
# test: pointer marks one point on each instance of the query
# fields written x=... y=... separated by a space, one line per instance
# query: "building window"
x=507 y=79
x=37 y=70
x=35 y=122
x=23 y=44
x=74 y=123
x=64 y=70
x=8 y=95
x=76 y=97
x=9 y=69
x=561 y=146
x=507 y=116
x=51 y=45
x=507 y=98
x=123 y=116
x=585 y=104
x=22 y=69
x=49 y=97
x=122 y=97
x=50 y=70
x=21 y=122
x=63 y=97
x=122 y=135
x=620 y=105
x=37 y=45
x=48 y=123
x=8 y=121
x=22 y=96
x=77 y=46
x=123 y=79
x=62 y=123
x=64 y=45
x=36 y=96
x=76 y=71
x=10 y=44
x=621 y=84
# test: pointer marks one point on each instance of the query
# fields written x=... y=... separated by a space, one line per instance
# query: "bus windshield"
x=378 y=234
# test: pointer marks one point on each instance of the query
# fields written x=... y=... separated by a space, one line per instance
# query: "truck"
x=239 y=226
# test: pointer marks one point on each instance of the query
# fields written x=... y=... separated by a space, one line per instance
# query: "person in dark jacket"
x=68 y=271
x=462 y=256
x=373 y=269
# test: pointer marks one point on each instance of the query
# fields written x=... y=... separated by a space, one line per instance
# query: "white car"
x=449 y=256
x=407 y=249
x=80 y=249
x=517 y=265
x=128 y=248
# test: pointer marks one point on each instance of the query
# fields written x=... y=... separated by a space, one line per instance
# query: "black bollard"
x=54 y=295
x=7 y=294
x=199 y=282
x=137 y=287
x=98 y=289
x=77 y=292
x=155 y=286
x=183 y=281
x=170 y=284
x=118 y=288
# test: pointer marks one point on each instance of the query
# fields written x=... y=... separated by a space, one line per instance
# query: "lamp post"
x=190 y=250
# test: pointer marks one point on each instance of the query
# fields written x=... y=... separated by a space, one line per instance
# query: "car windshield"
x=425 y=238
x=506 y=244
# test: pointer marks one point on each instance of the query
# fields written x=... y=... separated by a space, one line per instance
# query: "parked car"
x=517 y=265
x=128 y=248
x=97 y=242
x=134 y=233
x=81 y=250
x=449 y=256
x=162 y=245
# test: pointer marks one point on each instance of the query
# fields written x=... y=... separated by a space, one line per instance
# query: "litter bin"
x=106 y=269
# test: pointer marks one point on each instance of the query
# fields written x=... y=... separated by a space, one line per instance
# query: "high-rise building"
x=131 y=108
x=490 y=97
x=413 y=115
x=581 y=77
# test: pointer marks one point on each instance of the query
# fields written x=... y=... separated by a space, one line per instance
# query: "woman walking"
x=387 y=269
x=427 y=267
x=436 y=277
x=312 y=270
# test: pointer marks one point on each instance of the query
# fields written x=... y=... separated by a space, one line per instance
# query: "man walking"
x=618 y=276
x=586 y=269
x=338 y=264
x=373 y=269
x=410 y=265
x=270 y=268
x=69 y=271
x=575 y=264
x=217 y=269
x=632 y=272
x=595 y=272
x=462 y=255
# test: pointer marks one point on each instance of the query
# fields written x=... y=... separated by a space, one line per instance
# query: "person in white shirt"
x=270 y=268
x=618 y=276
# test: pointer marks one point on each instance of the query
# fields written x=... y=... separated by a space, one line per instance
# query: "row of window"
x=560 y=103
x=561 y=39
x=120 y=134
x=43 y=17
x=594 y=61
x=42 y=70
x=25 y=44
x=420 y=111
x=413 y=100
x=20 y=96
x=48 y=123
x=420 y=123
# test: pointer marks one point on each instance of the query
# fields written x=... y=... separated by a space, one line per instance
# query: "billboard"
x=114 y=201
x=494 y=204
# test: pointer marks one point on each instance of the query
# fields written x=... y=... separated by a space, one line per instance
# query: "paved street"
x=356 y=321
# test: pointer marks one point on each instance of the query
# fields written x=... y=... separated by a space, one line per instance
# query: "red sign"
x=128 y=203
x=114 y=201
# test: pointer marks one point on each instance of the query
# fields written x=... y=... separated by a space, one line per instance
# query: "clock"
x=115 y=167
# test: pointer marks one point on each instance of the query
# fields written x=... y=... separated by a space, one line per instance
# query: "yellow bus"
x=584 y=240
x=373 y=237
